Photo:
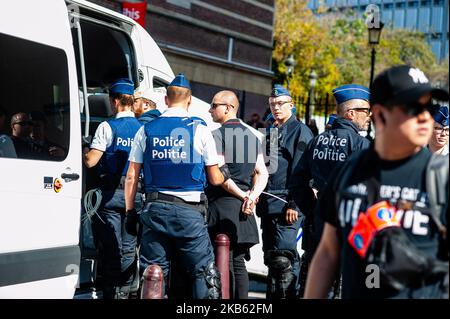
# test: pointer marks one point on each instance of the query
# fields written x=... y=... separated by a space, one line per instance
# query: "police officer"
x=110 y=147
x=329 y=149
x=439 y=139
x=387 y=184
x=178 y=155
x=280 y=220
x=239 y=147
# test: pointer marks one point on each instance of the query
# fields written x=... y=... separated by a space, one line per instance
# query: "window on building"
x=424 y=19
x=35 y=98
x=437 y=18
x=399 y=18
x=411 y=18
x=186 y=4
x=386 y=17
x=436 y=46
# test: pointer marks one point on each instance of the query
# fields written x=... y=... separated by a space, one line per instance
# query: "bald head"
x=224 y=106
x=21 y=125
x=230 y=98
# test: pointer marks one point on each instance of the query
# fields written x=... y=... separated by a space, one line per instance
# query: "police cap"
x=180 y=81
x=350 y=92
x=441 y=116
x=122 y=86
x=279 y=90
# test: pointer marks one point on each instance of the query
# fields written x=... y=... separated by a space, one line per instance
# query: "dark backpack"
x=402 y=265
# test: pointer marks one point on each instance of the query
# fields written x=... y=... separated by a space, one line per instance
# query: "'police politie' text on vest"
x=329 y=153
x=169 y=148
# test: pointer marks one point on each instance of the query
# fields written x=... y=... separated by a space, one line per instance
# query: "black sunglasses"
x=215 y=105
x=416 y=108
x=24 y=123
x=362 y=109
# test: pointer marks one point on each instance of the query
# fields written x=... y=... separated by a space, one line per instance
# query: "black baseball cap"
x=403 y=85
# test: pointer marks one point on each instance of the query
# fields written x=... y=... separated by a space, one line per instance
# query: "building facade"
x=428 y=16
x=217 y=44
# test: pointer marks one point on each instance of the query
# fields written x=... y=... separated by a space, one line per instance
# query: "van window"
x=159 y=83
x=108 y=55
x=35 y=104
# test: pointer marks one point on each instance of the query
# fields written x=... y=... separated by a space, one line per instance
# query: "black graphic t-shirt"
x=397 y=180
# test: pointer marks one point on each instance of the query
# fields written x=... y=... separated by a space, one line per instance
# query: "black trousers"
x=238 y=273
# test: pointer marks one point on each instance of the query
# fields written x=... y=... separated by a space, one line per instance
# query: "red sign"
x=136 y=11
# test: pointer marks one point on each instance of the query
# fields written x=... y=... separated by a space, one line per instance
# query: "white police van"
x=57 y=58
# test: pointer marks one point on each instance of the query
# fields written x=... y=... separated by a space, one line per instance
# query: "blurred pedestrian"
x=386 y=208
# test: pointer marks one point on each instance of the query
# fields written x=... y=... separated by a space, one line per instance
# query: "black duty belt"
x=155 y=196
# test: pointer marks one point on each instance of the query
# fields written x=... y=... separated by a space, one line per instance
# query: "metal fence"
x=317 y=108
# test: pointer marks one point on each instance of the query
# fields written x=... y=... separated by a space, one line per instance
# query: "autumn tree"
x=335 y=45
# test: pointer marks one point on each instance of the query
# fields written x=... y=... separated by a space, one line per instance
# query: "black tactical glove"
x=132 y=222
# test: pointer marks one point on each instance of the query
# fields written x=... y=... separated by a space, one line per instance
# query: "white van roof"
x=152 y=53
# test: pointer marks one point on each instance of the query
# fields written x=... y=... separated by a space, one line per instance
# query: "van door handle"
x=68 y=177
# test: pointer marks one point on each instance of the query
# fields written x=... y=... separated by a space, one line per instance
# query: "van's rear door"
x=40 y=190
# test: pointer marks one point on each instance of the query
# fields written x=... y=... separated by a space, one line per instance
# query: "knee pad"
x=212 y=277
x=280 y=264
x=279 y=261
x=281 y=279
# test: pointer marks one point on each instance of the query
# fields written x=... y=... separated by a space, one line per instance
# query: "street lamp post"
x=290 y=65
x=310 y=106
x=374 y=40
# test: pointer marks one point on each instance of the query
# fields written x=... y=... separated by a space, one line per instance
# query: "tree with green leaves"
x=335 y=45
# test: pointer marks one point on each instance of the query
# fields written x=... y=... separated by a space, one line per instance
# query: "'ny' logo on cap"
x=417 y=76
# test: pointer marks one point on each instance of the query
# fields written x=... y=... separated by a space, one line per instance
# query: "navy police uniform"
x=286 y=144
x=116 y=246
x=174 y=149
x=326 y=151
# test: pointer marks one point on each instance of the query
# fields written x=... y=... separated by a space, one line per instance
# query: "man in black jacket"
x=328 y=150
x=280 y=218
